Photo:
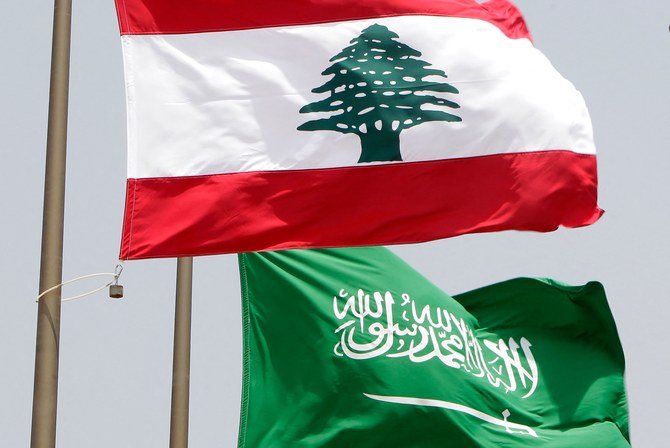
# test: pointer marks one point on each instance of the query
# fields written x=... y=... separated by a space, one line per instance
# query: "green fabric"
x=354 y=348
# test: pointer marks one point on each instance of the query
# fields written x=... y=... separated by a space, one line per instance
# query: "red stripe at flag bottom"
x=358 y=206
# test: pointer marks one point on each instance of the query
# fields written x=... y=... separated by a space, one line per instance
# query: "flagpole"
x=181 y=361
x=45 y=390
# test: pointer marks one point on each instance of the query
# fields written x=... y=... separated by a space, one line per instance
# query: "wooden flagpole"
x=45 y=392
x=181 y=358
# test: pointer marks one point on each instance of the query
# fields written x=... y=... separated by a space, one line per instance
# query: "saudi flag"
x=256 y=124
x=353 y=348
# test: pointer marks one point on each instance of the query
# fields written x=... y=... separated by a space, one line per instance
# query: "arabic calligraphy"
x=376 y=325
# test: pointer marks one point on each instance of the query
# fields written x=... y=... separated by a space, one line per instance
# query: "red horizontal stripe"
x=358 y=206
x=194 y=16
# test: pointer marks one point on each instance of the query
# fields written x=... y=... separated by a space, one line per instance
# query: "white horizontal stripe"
x=228 y=102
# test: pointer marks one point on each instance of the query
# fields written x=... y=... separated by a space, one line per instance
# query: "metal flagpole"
x=45 y=392
x=181 y=361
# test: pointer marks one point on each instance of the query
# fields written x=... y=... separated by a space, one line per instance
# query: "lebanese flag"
x=265 y=125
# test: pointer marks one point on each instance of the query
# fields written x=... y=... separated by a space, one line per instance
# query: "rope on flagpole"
x=115 y=280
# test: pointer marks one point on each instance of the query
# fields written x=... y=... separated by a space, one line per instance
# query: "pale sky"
x=116 y=355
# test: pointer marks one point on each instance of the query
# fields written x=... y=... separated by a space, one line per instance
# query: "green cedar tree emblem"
x=378 y=89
